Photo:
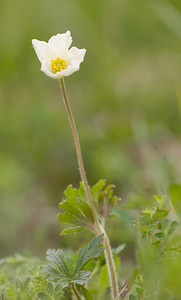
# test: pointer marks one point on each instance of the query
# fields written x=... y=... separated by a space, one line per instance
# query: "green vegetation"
x=126 y=100
x=154 y=275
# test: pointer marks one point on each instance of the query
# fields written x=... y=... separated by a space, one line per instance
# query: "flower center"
x=58 y=65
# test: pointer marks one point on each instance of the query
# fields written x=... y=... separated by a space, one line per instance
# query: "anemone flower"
x=57 y=60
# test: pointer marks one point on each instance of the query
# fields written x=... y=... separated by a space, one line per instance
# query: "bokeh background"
x=126 y=100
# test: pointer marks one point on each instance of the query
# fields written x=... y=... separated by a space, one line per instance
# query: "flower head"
x=56 y=59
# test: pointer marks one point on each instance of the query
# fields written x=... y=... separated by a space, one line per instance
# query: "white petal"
x=71 y=69
x=42 y=50
x=77 y=54
x=60 y=43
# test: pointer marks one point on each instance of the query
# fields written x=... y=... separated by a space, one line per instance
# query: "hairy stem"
x=108 y=252
x=110 y=266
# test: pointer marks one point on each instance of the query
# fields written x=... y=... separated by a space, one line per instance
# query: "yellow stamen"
x=58 y=65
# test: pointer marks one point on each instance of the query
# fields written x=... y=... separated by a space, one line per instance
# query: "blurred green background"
x=126 y=100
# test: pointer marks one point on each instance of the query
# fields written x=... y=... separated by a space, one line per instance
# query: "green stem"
x=75 y=292
x=110 y=266
x=100 y=229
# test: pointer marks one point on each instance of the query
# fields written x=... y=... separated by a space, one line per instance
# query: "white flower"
x=56 y=59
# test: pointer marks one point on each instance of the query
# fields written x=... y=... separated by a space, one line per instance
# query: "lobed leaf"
x=71 y=192
x=81 y=277
x=97 y=188
x=68 y=218
x=72 y=230
x=57 y=257
x=75 y=209
x=88 y=252
x=71 y=206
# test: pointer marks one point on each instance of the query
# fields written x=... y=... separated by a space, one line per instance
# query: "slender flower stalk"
x=108 y=252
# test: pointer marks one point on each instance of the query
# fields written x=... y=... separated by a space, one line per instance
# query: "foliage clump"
x=76 y=211
x=155 y=274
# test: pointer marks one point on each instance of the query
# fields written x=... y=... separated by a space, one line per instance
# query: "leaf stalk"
x=75 y=291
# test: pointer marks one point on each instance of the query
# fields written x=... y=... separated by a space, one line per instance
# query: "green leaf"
x=172 y=227
x=156 y=243
x=160 y=198
x=103 y=282
x=68 y=218
x=175 y=195
x=160 y=226
x=160 y=213
x=88 y=252
x=65 y=282
x=81 y=192
x=151 y=227
x=97 y=188
x=119 y=249
x=42 y=295
x=81 y=277
x=59 y=271
x=57 y=257
x=113 y=215
x=140 y=290
x=160 y=234
x=72 y=230
x=86 y=294
x=148 y=212
x=75 y=209
x=85 y=208
x=58 y=291
x=70 y=191
x=166 y=223
x=103 y=198
x=109 y=189
x=50 y=288
x=132 y=297
x=63 y=279
x=70 y=205
x=114 y=200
